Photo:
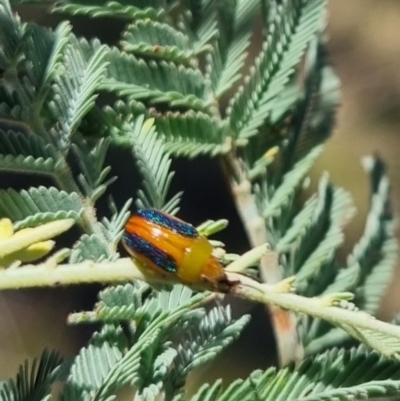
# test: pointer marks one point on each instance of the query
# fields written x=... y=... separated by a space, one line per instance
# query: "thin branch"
x=358 y=324
x=284 y=322
x=49 y=274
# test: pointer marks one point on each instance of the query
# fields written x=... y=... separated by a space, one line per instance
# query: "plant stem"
x=383 y=337
x=352 y=321
x=284 y=322
x=47 y=275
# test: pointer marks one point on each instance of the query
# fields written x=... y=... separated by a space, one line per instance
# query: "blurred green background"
x=365 y=50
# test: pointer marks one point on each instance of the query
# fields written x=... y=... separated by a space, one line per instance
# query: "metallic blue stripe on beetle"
x=169 y=222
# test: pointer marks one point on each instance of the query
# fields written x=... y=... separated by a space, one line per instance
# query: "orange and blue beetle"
x=170 y=247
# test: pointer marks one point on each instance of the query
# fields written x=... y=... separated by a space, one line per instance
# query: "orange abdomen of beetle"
x=169 y=246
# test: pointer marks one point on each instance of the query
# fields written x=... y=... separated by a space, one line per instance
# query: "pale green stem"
x=284 y=323
x=48 y=275
x=379 y=335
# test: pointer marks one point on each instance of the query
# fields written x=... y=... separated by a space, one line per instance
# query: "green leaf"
x=31 y=59
x=89 y=370
x=156 y=362
x=369 y=267
x=376 y=251
x=314 y=114
x=114 y=228
x=229 y=50
x=192 y=134
x=116 y=304
x=176 y=304
x=211 y=227
x=11 y=32
x=39 y=205
x=141 y=80
x=91 y=247
x=299 y=226
x=27 y=165
x=171 y=300
x=18 y=144
x=30 y=154
x=294 y=26
x=113 y=9
x=74 y=91
x=188 y=134
x=157 y=40
x=290 y=184
x=124 y=295
x=33 y=382
x=126 y=371
x=112 y=334
x=336 y=375
x=154 y=164
x=201 y=22
x=326 y=235
x=203 y=342
x=43 y=50
x=91 y=162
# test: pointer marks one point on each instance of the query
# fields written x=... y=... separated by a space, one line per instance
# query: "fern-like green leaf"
x=129 y=370
x=136 y=78
x=157 y=40
x=33 y=382
x=116 y=304
x=74 y=90
x=314 y=114
x=369 y=266
x=376 y=251
x=156 y=362
x=30 y=154
x=285 y=102
x=300 y=224
x=89 y=370
x=91 y=162
x=27 y=165
x=105 y=315
x=170 y=300
x=229 y=51
x=44 y=49
x=113 y=228
x=203 y=342
x=124 y=295
x=192 y=134
x=290 y=183
x=293 y=28
x=325 y=234
x=11 y=31
x=91 y=247
x=17 y=144
x=39 y=205
x=154 y=164
x=112 y=334
x=113 y=9
x=31 y=62
x=188 y=134
x=202 y=22
x=335 y=375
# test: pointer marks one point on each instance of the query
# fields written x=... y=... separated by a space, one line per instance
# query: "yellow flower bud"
x=28 y=244
x=6 y=229
x=29 y=254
